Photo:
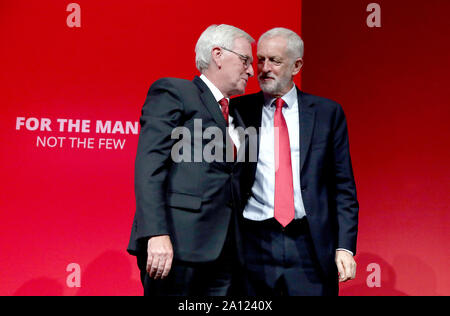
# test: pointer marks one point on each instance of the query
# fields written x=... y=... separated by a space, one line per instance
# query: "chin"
x=267 y=88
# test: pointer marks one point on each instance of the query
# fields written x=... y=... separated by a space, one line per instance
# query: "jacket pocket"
x=184 y=201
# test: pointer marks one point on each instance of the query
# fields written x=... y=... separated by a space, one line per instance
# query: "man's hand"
x=346 y=265
x=159 y=256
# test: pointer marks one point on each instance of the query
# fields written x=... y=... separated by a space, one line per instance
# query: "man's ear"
x=297 y=66
x=216 y=56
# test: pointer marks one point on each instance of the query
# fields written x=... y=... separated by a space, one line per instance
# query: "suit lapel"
x=239 y=123
x=247 y=113
x=211 y=104
x=306 y=119
x=257 y=117
x=253 y=117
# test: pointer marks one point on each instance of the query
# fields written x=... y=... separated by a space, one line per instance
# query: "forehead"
x=272 y=46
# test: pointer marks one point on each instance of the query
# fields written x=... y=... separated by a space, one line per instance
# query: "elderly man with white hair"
x=184 y=230
x=301 y=217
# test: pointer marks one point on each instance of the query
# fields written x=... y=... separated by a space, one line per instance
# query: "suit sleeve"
x=347 y=206
x=161 y=113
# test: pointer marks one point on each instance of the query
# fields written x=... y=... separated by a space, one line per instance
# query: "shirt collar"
x=289 y=98
x=215 y=91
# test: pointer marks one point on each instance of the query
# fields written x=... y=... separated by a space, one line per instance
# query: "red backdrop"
x=393 y=84
x=67 y=196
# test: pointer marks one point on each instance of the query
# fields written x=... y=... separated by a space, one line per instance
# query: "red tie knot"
x=224 y=107
x=223 y=102
x=279 y=103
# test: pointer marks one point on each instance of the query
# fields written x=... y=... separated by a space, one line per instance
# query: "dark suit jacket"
x=190 y=201
x=327 y=182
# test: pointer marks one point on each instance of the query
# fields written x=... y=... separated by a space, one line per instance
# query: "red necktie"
x=284 y=188
x=225 y=111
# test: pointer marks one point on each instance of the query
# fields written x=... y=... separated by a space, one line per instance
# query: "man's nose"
x=265 y=67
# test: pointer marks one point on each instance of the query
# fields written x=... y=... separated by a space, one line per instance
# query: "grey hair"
x=216 y=36
x=295 y=45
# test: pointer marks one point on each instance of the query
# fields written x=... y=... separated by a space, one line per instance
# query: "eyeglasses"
x=245 y=59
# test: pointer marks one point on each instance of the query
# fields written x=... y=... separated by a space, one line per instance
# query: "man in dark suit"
x=300 y=222
x=183 y=232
